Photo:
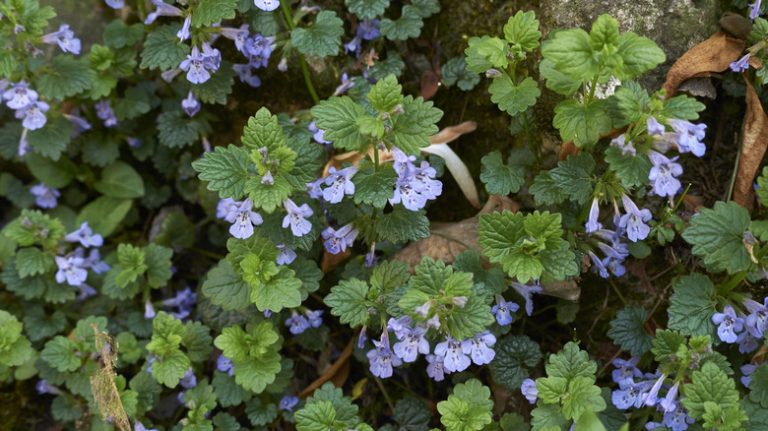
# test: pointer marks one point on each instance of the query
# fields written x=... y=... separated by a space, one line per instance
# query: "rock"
x=676 y=25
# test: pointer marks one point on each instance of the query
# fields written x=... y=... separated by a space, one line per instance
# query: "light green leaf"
x=710 y=384
x=486 y=52
x=640 y=54
x=570 y=52
x=348 y=301
x=523 y=29
x=582 y=124
x=374 y=187
x=408 y=26
x=454 y=71
x=119 y=180
x=412 y=128
x=225 y=288
x=403 y=225
x=514 y=98
x=321 y=39
x=338 y=116
x=162 y=49
x=208 y=12
x=225 y=171
x=66 y=76
x=104 y=214
x=717 y=237
x=468 y=408
x=632 y=170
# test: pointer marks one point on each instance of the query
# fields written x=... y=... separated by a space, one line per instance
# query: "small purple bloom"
x=436 y=368
x=105 y=113
x=346 y=84
x=297 y=324
x=454 y=357
x=400 y=326
x=677 y=419
x=19 y=95
x=754 y=10
x=634 y=220
x=286 y=256
x=669 y=403
x=183 y=33
x=43 y=387
x=412 y=342
x=318 y=135
x=296 y=218
x=338 y=184
x=728 y=324
x=747 y=370
x=756 y=321
x=479 y=348
x=258 y=49
x=138 y=426
x=45 y=197
x=243 y=219
x=315 y=318
x=267 y=5
x=64 y=38
x=71 y=270
x=337 y=241
x=238 y=35
x=80 y=123
x=189 y=380
x=115 y=4
x=225 y=206
x=527 y=291
x=199 y=65
x=593 y=224
x=149 y=310
x=626 y=371
x=85 y=236
x=503 y=311
x=224 y=364
x=663 y=174
x=654 y=127
x=529 y=390
x=33 y=115
x=414 y=186
x=245 y=73
x=288 y=402
x=369 y=29
x=689 y=137
x=741 y=65
x=314 y=190
x=362 y=337
x=621 y=143
x=381 y=358
x=190 y=105
x=652 y=397
x=162 y=9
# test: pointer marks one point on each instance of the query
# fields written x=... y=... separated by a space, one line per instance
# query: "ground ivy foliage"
x=174 y=255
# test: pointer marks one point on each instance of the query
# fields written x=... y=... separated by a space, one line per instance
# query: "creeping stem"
x=302 y=61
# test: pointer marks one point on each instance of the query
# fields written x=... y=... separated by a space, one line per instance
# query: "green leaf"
x=522 y=29
x=548 y=418
x=582 y=124
x=197 y=340
x=465 y=322
x=666 y=343
x=632 y=170
x=710 y=384
x=499 y=178
x=228 y=392
x=15 y=349
x=402 y=225
x=526 y=245
x=321 y=39
x=683 y=107
x=573 y=177
x=762 y=188
x=119 y=180
x=218 y=87
x=169 y=369
x=338 y=116
x=628 y=331
x=118 y=34
x=558 y=81
x=52 y=139
x=632 y=101
x=589 y=421
x=546 y=190
x=374 y=187
x=254 y=354
x=468 y=408
x=516 y=357
x=66 y=76
x=316 y=416
x=158 y=265
x=162 y=49
x=104 y=214
x=408 y=26
x=225 y=171
x=208 y=12
x=259 y=413
x=758 y=387
x=56 y=174
x=412 y=414
x=177 y=131
x=426 y=8
x=367 y=9
x=484 y=53
x=454 y=71
x=60 y=353
x=32 y=261
x=570 y=52
x=639 y=53
x=552 y=389
x=348 y=301
x=692 y=305
x=717 y=237
x=571 y=362
x=412 y=128
x=225 y=288
x=514 y=98
x=386 y=94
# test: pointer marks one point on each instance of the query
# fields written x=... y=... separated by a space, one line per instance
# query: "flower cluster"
x=415 y=185
x=637 y=390
x=241 y=216
x=745 y=329
x=447 y=357
x=73 y=267
x=298 y=323
x=366 y=30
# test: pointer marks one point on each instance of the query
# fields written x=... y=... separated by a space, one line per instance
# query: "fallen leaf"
x=709 y=57
x=430 y=82
x=754 y=134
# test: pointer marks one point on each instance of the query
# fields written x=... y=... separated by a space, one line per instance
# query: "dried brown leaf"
x=711 y=56
x=754 y=133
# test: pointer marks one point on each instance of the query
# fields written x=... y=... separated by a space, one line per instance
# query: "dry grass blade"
x=337 y=367
x=754 y=140
x=103 y=386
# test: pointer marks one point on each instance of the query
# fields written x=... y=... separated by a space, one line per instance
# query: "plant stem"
x=302 y=61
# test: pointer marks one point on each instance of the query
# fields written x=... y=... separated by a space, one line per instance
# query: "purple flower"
x=19 y=95
x=747 y=343
x=436 y=368
x=80 y=123
x=503 y=310
x=654 y=127
x=286 y=256
x=651 y=398
x=689 y=137
x=315 y=318
x=238 y=35
x=199 y=65
x=479 y=348
x=243 y=219
x=677 y=419
x=71 y=270
x=115 y=4
x=353 y=46
x=149 y=310
x=368 y=29
x=757 y=320
x=593 y=224
x=318 y=135
x=297 y=324
x=105 y=113
x=288 y=402
x=621 y=143
x=33 y=115
x=183 y=33
x=454 y=357
x=400 y=326
x=741 y=65
x=747 y=370
x=527 y=291
x=245 y=73
x=414 y=186
x=626 y=371
x=65 y=38
x=337 y=241
x=267 y=5
x=728 y=324
x=626 y=396
x=43 y=387
x=634 y=220
x=133 y=142
x=259 y=49
x=162 y=9
x=190 y=105
x=23 y=143
x=754 y=10
x=85 y=236
x=598 y=265
x=669 y=403
x=338 y=184
x=138 y=426
x=381 y=358
x=346 y=84
x=314 y=190
x=663 y=174
x=184 y=301
x=224 y=364
x=45 y=197
x=224 y=207
x=529 y=390
x=296 y=218
x=189 y=380
x=412 y=342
